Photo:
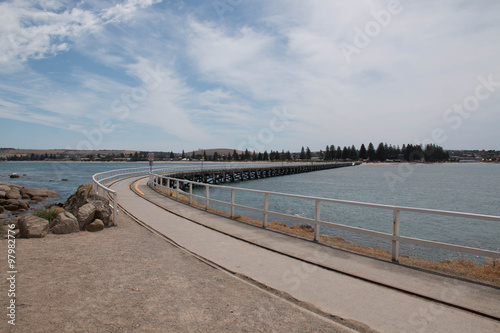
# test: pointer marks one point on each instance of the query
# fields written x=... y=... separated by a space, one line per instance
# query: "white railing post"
x=207 y=189
x=266 y=209
x=395 y=235
x=177 y=189
x=115 y=208
x=190 y=193
x=317 y=216
x=232 y=203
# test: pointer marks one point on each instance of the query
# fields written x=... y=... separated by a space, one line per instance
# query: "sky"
x=176 y=75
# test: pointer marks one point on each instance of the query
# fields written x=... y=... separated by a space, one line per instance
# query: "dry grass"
x=488 y=273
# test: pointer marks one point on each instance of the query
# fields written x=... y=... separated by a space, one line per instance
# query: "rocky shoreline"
x=16 y=199
x=82 y=211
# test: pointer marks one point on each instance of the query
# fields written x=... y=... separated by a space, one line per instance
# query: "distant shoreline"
x=233 y=162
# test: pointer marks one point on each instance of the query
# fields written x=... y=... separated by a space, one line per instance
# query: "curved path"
x=362 y=293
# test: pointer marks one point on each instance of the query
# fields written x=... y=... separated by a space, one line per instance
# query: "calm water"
x=50 y=174
x=472 y=188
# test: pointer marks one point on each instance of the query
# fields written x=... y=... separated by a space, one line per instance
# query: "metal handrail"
x=99 y=180
x=156 y=182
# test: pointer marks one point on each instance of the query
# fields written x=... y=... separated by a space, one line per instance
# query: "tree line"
x=383 y=152
x=243 y=156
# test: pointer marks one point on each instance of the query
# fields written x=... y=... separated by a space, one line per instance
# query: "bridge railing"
x=101 y=181
x=161 y=183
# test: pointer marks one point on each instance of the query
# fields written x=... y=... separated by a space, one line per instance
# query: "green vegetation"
x=383 y=152
x=49 y=214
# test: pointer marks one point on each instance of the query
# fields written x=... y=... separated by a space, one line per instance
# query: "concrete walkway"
x=340 y=286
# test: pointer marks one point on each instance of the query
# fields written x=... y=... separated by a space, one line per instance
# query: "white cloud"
x=39 y=29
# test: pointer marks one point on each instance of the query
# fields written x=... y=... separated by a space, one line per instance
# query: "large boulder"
x=103 y=211
x=13 y=204
x=78 y=199
x=11 y=208
x=84 y=196
x=3 y=194
x=4 y=187
x=97 y=225
x=23 y=205
x=85 y=215
x=14 y=194
x=37 y=199
x=64 y=223
x=38 y=192
x=31 y=226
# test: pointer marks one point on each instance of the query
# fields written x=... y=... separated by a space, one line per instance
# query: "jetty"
x=216 y=176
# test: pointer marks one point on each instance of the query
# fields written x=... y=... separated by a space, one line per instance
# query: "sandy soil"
x=126 y=279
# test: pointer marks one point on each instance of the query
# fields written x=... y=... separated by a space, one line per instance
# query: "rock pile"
x=88 y=207
x=17 y=199
x=82 y=211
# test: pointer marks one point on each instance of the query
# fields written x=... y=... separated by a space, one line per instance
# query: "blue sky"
x=261 y=75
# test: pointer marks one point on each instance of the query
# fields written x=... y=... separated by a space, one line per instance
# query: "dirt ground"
x=126 y=279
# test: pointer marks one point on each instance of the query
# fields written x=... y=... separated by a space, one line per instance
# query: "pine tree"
x=327 y=153
x=362 y=152
x=308 y=154
x=302 y=154
x=345 y=153
x=332 y=152
x=338 y=154
x=370 y=153
x=380 y=153
x=353 y=153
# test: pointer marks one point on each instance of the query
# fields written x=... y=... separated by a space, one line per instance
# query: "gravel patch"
x=126 y=279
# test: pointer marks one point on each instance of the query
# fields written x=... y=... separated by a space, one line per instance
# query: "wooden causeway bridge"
x=228 y=175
